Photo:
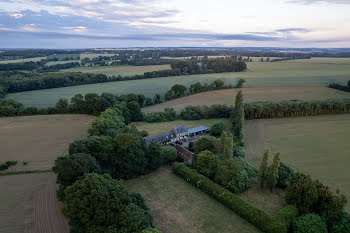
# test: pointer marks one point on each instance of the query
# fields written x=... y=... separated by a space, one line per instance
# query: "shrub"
x=343 y=226
x=238 y=151
x=154 y=156
x=255 y=216
x=232 y=176
x=207 y=164
x=72 y=167
x=309 y=223
x=205 y=142
x=169 y=154
x=98 y=203
x=217 y=129
x=287 y=214
x=285 y=174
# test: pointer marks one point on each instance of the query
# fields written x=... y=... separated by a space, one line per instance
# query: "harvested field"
x=29 y=204
x=123 y=70
x=259 y=74
x=22 y=60
x=163 y=127
x=177 y=206
x=250 y=95
x=316 y=145
x=39 y=140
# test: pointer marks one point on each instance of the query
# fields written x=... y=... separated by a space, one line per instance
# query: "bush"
x=207 y=164
x=98 y=203
x=285 y=175
x=72 y=167
x=169 y=154
x=238 y=151
x=255 y=216
x=154 y=156
x=217 y=129
x=343 y=226
x=232 y=176
x=205 y=142
x=309 y=223
x=287 y=214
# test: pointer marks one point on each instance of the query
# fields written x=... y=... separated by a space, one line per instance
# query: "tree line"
x=340 y=87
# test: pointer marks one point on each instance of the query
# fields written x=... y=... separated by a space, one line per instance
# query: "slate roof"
x=159 y=138
x=197 y=129
x=180 y=129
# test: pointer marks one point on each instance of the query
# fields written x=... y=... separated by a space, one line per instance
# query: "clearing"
x=177 y=206
x=39 y=140
x=316 y=145
x=163 y=127
x=250 y=95
x=28 y=204
x=309 y=72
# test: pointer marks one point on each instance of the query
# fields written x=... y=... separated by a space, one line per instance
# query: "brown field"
x=28 y=204
x=39 y=140
x=250 y=95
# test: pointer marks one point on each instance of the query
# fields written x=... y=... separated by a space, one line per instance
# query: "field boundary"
x=24 y=172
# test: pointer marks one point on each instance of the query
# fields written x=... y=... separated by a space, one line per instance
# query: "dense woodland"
x=341 y=87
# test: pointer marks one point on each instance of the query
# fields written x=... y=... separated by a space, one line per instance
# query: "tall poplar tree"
x=272 y=176
x=239 y=116
x=262 y=175
x=228 y=149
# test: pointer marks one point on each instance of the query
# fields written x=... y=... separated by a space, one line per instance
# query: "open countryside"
x=259 y=74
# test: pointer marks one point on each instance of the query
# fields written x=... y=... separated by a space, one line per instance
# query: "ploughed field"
x=28 y=201
x=39 y=140
x=250 y=95
x=28 y=204
x=307 y=72
x=177 y=206
x=316 y=145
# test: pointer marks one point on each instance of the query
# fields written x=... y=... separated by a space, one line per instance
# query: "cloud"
x=307 y=2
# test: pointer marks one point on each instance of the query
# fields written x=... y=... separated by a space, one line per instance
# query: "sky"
x=174 y=23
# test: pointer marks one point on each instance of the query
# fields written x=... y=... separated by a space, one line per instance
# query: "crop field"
x=123 y=70
x=22 y=60
x=39 y=140
x=28 y=204
x=250 y=95
x=317 y=145
x=92 y=55
x=177 y=206
x=259 y=74
x=163 y=127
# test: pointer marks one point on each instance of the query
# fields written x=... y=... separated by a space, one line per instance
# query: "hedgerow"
x=259 y=218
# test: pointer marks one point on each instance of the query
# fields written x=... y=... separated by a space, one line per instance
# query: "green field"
x=123 y=70
x=250 y=95
x=177 y=206
x=158 y=128
x=259 y=74
x=317 y=145
x=22 y=60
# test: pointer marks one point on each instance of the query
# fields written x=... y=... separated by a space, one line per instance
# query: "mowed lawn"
x=177 y=206
x=259 y=74
x=317 y=145
x=163 y=127
x=28 y=204
x=39 y=140
x=123 y=70
x=250 y=95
